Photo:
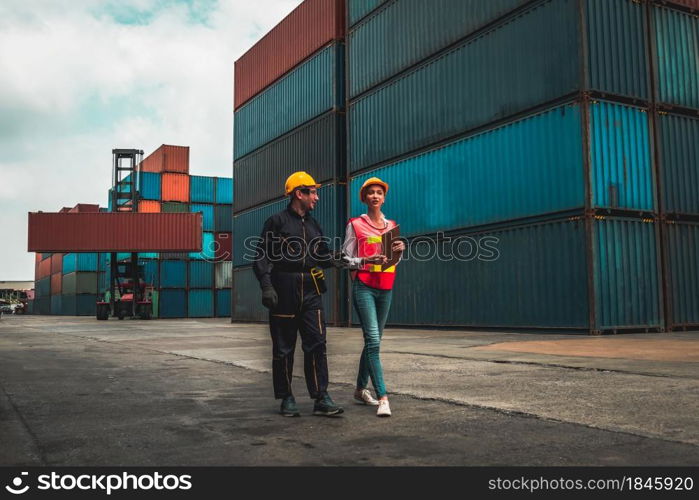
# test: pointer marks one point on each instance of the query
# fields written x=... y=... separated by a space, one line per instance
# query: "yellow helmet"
x=371 y=182
x=297 y=180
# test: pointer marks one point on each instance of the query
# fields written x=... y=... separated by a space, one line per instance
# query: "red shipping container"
x=56 y=263
x=174 y=187
x=167 y=159
x=84 y=207
x=692 y=4
x=37 y=259
x=224 y=246
x=56 y=283
x=114 y=232
x=149 y=207
x=44 y=269
x=310 y=26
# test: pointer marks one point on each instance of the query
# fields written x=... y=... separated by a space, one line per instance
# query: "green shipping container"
x=80 y=283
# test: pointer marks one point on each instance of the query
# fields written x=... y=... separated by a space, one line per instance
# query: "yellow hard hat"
x=297 y=180
x=371 y=182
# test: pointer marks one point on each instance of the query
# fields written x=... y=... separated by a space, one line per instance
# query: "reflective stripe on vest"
x=369 y=245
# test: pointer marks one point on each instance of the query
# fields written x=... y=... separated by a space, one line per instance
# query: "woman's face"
x=374 y=196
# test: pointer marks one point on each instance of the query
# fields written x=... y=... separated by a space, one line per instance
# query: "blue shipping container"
x=149 y=186
x=202 y=189
x=678 y=143
x=207 y=214
x=73 y=262
x=208 y=246
x=223 y=303
x=224 y=190
x=682 y=244
x=201 y=274
x=525 y=168
x=172 y=304
x=201 y=304
x=677 y=46
x=173 y=273
x=357 y=9
x=525 y=62
x=56 y=304
x=309 y=90
x=223 y=218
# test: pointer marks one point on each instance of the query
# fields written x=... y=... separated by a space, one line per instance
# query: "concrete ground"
x=74 y=391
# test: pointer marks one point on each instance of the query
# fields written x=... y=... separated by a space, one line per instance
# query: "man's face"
x=308 y=197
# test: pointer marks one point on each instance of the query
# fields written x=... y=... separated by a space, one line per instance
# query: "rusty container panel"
x=167 y=159
x=113 y=232
x=692 y=4
x=56 y=281
x=56 y=263
x=310 y=26
x=149 y=207
x=175 y=187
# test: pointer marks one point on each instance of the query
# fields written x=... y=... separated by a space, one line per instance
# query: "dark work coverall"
x=290 y=246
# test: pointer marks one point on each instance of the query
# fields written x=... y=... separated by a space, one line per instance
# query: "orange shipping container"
x=84 y=207
x=309 y=27
x=56 y=263
x=175 y=187
x=37 y=259
x=149 y=206
x=56 y=283
x=167 y=159
x=44 y=269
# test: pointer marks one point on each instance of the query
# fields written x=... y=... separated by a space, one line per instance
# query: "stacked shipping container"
x=531 y=122
x=289 y=116
x=197 y=284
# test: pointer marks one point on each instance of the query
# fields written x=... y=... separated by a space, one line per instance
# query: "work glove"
x=340 y=261
x=269 y=297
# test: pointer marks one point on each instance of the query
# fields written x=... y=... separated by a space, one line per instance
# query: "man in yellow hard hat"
x=288 y=265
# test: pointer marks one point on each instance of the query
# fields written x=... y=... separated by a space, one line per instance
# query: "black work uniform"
x=290 y=246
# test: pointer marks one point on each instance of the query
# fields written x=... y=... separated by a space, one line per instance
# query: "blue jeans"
x=372 y=306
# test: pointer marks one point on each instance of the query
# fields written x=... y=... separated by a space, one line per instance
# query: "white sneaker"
x=364 y=396
x=384 y=410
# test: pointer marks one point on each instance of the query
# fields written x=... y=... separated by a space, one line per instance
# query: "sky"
x=80 y=78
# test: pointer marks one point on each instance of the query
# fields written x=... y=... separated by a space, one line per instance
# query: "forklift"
x=128 y=294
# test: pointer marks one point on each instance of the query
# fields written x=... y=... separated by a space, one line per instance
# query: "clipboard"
x=387 y=240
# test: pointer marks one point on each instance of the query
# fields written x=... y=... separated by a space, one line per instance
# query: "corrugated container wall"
x=114 y=232
x=149 y=206
x=682 y=244
x=224 y=274
x=416 y=29
x=173 y=207
x=223 y=243
x=175 y=187
x=316 y=148
x=201 y=274
x=149 y=186
x=208 y=246
x=201 y=304
x=223 y=303
x=247 y=226
x=357 y=9
x=224 y=190
x=521 y=66
x=207 y=212
x=678 y=144
x=306 y=29
x=692 y=4
x=56 y=283
x=167 y=159
x=676 y=47
x=202 y=189
x=173 y=303
x=173 y=273
x=526 y=168
x=223 y=219
x=308 y=91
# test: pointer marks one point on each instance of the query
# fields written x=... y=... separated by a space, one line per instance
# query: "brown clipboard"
x=387 y=240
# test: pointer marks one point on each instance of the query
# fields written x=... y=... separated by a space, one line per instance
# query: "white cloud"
x=74 y=83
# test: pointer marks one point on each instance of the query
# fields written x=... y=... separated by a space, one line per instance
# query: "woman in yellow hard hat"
x=371 y=288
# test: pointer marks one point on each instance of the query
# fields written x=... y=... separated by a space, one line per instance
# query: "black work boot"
x=288 y=408
x=326 y=407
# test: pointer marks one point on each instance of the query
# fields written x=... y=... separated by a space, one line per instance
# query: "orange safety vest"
x=369 y=245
